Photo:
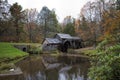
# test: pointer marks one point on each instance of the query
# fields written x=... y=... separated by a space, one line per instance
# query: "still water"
x=33 y=69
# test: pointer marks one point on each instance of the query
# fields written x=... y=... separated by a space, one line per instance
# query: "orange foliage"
x=111 y=23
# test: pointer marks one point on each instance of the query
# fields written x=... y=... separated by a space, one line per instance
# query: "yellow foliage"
x=111 y=22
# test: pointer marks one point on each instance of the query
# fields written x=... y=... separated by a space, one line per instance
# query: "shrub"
x=35 y=49
x=106 y=63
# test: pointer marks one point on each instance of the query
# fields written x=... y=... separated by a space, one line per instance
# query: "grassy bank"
x=88 y=51
x=31 y=44
x=9 y=55
x=8 y=51
x=34 y=48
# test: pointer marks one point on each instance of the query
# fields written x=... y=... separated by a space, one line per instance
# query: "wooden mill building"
x=62 y=42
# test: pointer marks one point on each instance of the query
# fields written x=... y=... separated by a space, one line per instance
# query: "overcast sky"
x=63 y=8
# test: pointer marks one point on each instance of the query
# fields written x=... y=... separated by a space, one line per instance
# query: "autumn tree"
x=77 y=24
x=17 y=16
x=112 y=25
x=31 y=25
x=6 y=31
x=107 y=58
x=87 y=24
x=93 y=13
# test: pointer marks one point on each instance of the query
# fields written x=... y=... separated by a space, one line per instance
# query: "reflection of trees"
x=79 y=71
x=51 y=74
x=32 y=68
x=64 y=76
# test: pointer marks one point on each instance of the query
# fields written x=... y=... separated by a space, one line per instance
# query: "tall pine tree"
x=16 y=12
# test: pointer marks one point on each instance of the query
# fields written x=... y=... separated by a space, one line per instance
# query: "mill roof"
x=61 y=35
x=75 y=38
x=67 y=36
x=53 y=41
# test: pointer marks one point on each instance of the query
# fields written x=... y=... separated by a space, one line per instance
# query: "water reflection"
x=63 y=76
x=73 y=74
x=38 y=76
x=33 y=69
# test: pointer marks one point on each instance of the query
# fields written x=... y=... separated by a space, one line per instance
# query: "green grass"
x=31 y=44
x=9 y=55
x=55 y=53
x=8 y=51
x=89 y=52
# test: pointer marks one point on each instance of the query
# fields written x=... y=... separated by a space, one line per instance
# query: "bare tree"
x=31 y=17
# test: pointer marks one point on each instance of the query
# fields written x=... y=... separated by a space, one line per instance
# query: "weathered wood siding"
x=49 y=47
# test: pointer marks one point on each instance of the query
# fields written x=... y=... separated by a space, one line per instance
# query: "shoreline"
x=17 y=71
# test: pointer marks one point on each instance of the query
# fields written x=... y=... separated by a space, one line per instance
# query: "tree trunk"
x=17 y=31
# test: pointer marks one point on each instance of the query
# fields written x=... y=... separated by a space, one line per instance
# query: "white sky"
x=63 y=8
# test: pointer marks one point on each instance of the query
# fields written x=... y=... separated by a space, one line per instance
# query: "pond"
x=33 y=69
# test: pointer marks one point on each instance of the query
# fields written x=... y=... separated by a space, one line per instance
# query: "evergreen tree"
x=17 y=16
x=118 y=4
x=69 y=29
x=48 y=21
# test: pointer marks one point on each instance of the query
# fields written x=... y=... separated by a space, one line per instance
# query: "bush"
x=106 y=64
x=35 y=49
x=38 y=50
x=71 y=51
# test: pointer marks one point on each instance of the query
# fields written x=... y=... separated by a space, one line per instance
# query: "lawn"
x=8 y=56
x=31 y=44
x=87 y=51
x=8 y=51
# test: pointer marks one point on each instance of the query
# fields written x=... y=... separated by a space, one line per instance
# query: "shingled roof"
x=67 y=36
x=61 y=35
x=53 y=41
